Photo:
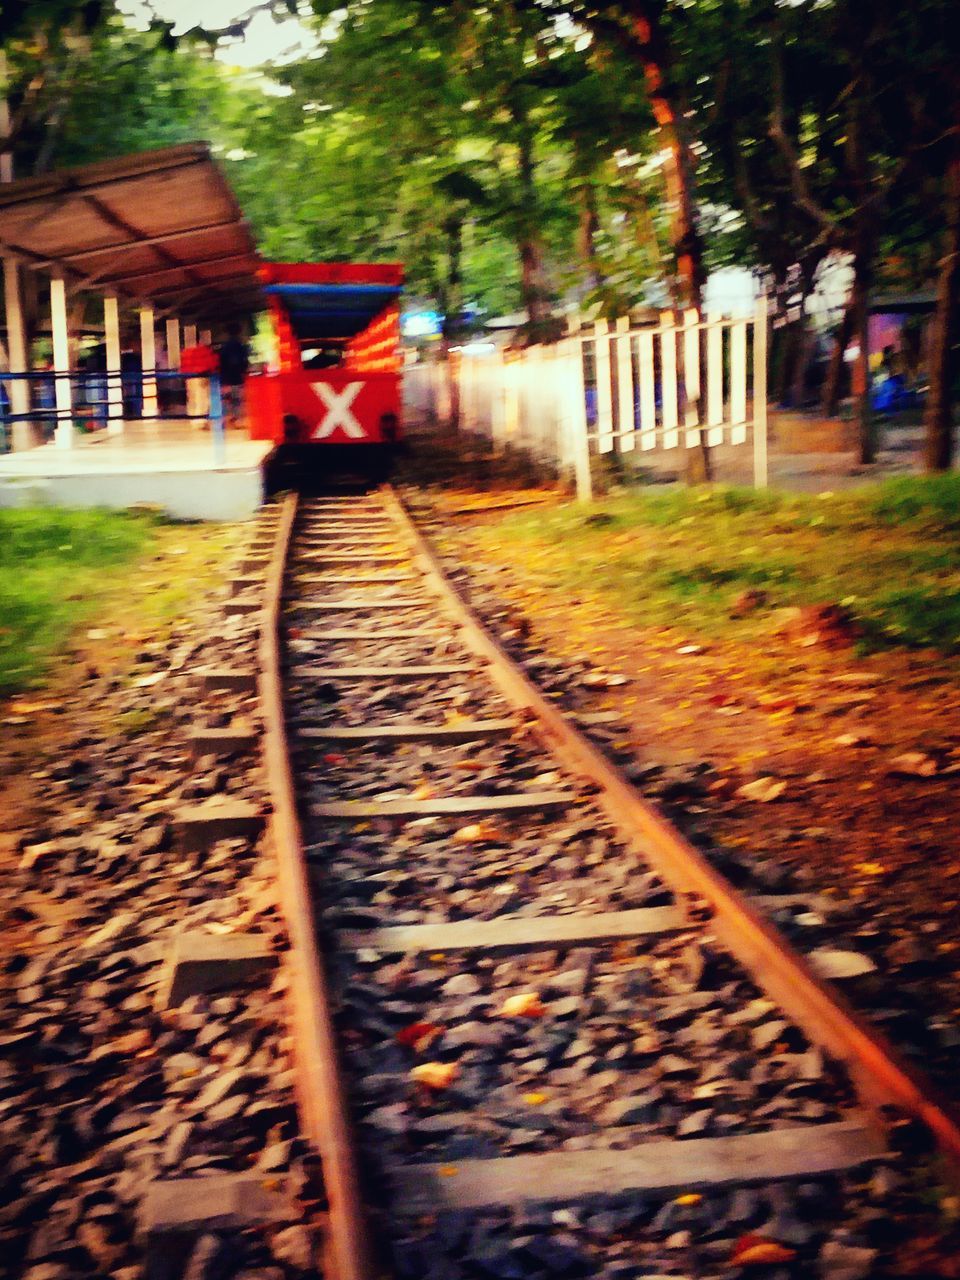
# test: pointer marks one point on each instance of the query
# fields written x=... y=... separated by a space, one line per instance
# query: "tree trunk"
x=532 y=285
x=587 y=235
x=783 y=353
x=801 y=359
x=938 y=413
x=679 y=165
x=678 y=170
x=860 y=302
x=452 y=312
x=830 y=397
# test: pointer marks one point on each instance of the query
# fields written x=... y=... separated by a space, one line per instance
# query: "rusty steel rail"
x=320 y=1092
x=880 y=1074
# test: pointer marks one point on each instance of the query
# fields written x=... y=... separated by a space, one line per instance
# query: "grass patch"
x=56 y=567
x=889 y=552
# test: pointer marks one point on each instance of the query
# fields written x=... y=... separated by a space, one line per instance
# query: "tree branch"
x=798 y=183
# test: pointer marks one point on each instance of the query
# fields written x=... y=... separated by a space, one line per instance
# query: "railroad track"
x=537 y=1034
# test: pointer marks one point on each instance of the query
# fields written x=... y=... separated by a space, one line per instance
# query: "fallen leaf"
x=838 y=966
x=525 y=1005
x=690 y=1197
x=535 y=1099
x=476 y=833
x=435 y=1075
x=418 y=1035
x=915 y=764
x=21 y=708
x=145 y=682
x=424 y=792
x=755 y=1251
x=762 y=789
x=870 y=868
x=134 y=1041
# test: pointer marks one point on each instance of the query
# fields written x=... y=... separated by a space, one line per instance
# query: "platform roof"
x=159 y=227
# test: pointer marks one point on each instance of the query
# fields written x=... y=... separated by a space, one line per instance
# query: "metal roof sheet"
x=159 y=226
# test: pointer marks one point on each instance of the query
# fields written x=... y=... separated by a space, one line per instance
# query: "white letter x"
x=338 y=405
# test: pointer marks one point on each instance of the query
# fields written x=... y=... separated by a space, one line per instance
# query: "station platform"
x=169 y=465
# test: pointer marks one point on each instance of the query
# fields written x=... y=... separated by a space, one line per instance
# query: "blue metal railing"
x=91 y=402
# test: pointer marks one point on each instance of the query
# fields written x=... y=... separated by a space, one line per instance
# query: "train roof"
x=332 y=300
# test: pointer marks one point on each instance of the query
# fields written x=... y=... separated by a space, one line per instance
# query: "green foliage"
x=471 y=136
x=932 y=500
x=916 y=617
x=55 y=566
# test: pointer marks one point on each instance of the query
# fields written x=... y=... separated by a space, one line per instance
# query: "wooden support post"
x=6 y=157
x=173 y=343
x=61 y=363
x=148 y=358
x=22 y=435
x=189 y=335
x=206 y=337
x=111 y=331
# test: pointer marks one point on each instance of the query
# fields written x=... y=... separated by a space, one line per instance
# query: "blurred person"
x=234 y=365
x=131 y=380
x=94 y=368
x=198 y=358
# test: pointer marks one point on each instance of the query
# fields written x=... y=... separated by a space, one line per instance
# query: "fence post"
x=648 y=389
x=601 y=348
x=577 y=418
x=216 y=422
x=692 y=413
x=738 y=382
x=760 y=395
x=669 y=399
x=715 y=382
x=625 y=394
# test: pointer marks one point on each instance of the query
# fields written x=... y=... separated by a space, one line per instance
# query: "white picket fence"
x=610 y=389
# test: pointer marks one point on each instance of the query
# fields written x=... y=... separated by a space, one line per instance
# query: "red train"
x=337 y=326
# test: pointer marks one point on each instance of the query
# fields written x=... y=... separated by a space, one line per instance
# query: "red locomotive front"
x=337 y=326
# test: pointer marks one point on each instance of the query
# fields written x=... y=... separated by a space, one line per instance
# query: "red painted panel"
x=331 y=273
x=328 y=406
x=264 y=407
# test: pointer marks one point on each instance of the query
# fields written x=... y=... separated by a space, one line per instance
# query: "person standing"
x=234 y=364
x=198 y=359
